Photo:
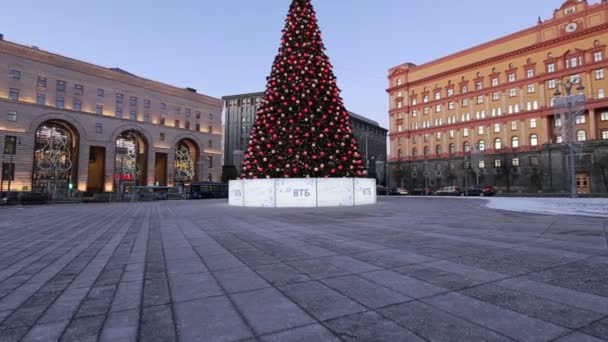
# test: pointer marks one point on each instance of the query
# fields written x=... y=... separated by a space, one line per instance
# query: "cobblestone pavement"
x=408 y=269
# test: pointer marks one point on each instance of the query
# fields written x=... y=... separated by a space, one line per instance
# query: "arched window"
x=497 y=144
x=581 y=135
x=466 y=147
x=438 y=150
x=452 y=148
x=515 y=142
x=415 y=152
x=427 y=150
x=534 y=140
x=481 y=145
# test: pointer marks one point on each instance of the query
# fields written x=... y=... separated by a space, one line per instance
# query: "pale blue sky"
x=226 y=47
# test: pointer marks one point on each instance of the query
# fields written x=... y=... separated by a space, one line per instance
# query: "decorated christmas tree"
x=302 y=128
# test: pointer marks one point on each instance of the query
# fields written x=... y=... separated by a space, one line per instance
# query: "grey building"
x=240 y=111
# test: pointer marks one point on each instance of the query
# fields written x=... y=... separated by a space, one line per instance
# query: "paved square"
x=407 y=269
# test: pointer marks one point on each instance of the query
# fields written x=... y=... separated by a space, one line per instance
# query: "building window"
x=551 y=67
x=61 y=85
x=210 y=116
x=558 y=122
x=497 y=144
x=100 y=92
x=598 y=56
x=10 y=145
x=465 y=132
x=482 y=164
x=515 y=142
x=580 y=119
x=451 y=105
x=452 y=134
x=163 y=106
x=197 y=127
x=481 y=145
x=515 y=162
x=497 y=163
x=533 y=140
x=480 y=130
x=466 y=147
x=574 y=62
x=438 y=150
x=551 y=84
x=132 y=101
x=187 y=124
x=450 y=92
x=59 y=102
x=162 y=137
x=16 y=74
x=599 y=74
x=414 y=113
x=465 y=102
x=601 y=93
x=41 y=99
x=511 y=77
x=464 y=89
x=78 y=89
x=438 y=96
x=437 y=108
x=480 y=99
x=479 y=85
x=209 y=177
x=98 y=128
x=176 y=124
x=497 y=128
x=530 y=73
x=178 y=111
x=427 y=150
x=13 y=94
x=514 y=125
x=494 y=82
x=531 y=88
x=398 y=82
x=452 y=166
x=452 y=148
x=99 y=109
x=438 y=136
x=77 y=105
x=604 y=116
x=133 y=115
x=605 y=135
x=198 y=115
x=41 y=82
x=162 y=120
x=12 y=116
x=119 y=98
x=495 y=96
x=414 y=152
x=147 y=104
x=146 y=117
x=210 y=162
x=426 y=110
x=512 y=92
x=532 y=123
x=118 y=113
x=581 y=135
x=209 y=143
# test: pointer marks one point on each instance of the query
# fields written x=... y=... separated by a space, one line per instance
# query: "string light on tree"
x=302 y=129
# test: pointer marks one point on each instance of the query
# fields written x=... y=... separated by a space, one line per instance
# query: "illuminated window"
x=532 y=123
x=581 y=135
x=16 y=74
x=515 y=142
x=13 y=94
x=533 y=140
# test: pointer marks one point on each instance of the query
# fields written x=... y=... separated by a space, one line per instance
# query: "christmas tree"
x=302 y=128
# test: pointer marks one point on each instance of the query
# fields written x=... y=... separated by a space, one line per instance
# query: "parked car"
x=422 y=191
x=481 y=190
x=450 y=191
x=399 y=192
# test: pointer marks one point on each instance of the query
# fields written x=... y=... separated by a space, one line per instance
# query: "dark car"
x=482 y=190
x=422 y=191
x=399 y=192
x=450 y=191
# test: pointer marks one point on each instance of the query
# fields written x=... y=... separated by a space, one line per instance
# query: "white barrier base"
x=302 y=192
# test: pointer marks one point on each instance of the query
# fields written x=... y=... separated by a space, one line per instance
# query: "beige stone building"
x=497 y=98
x=66 y=124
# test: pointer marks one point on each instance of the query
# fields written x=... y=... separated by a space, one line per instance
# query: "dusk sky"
x=226 y=47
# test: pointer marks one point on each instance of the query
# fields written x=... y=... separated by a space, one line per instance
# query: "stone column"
x=83 y=167
x=592 y=125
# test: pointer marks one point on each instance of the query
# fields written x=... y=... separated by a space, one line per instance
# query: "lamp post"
x=568 y=101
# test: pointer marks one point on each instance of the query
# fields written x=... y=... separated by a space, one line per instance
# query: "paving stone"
x=83 y=329
x=390 y=258
x=318 y=269
x=13 y=335
x=578 y=337
x=222 y=262
x=321 y=301
x=281 y=274
x=194 y=286
x=369 y=294
x=438 y=277
x=210 y=319
x=436 y=325
x=370 y=326
x=240 y=279
x=157 y=324
x=185 y=266
x=598 y=329
x=350 y=264
x=506 y=322
x=409 y=286
x=128 y=296
x=268 y=310
x=314 y=332
x=120 y=326
x=46 y=332
x=156 y=292
x=65 y=306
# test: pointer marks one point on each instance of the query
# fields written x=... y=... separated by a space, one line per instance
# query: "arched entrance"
x=186 y=161
x=131 y=161
x=55 y=158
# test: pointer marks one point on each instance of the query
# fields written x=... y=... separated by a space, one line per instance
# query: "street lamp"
x=568 y=101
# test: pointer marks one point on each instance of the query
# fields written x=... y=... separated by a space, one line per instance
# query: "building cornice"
x=49 y=58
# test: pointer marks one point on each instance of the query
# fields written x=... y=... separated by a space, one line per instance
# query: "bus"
x=200 y=190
